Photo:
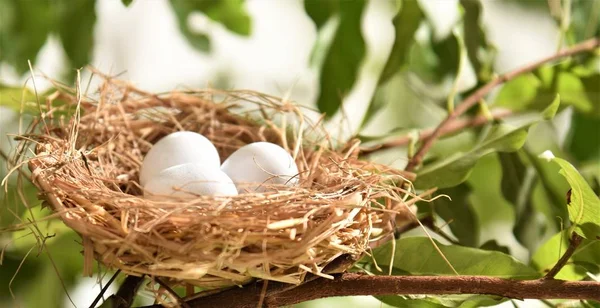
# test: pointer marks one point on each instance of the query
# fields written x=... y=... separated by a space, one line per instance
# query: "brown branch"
x=483 y=91
x=456 y=125
x=348 y=284
x=573 y=244
x=126 y=293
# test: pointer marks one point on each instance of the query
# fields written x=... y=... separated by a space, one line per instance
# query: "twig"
x=573 y=244
x=180 y=302
x=456 y=125
x=483 y=91
x=104 y=289
x=348 y=284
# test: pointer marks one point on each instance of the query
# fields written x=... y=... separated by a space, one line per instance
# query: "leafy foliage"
x=454 y=169
x=343 y=54
x=230 y=13
x=492 y=173
x=583 y=203
x=465 y=260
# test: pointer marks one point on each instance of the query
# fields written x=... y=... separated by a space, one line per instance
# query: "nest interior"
x=88 y=149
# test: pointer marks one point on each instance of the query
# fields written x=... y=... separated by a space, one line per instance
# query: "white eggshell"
x=255 y=166
x=176 y=149
x=191 y=179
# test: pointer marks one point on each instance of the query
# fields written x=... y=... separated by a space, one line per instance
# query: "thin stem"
x=573 y=244
x=483 y=91
x=457 y=125
x=348 y=284
x=104 y=289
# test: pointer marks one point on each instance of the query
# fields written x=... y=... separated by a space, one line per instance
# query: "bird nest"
x=87 y=150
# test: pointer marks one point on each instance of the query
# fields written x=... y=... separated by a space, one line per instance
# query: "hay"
x=87 y=151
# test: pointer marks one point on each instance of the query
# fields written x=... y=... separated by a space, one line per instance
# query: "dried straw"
x=85 y=158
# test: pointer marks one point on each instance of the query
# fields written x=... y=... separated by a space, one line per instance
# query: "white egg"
x=176 y=149
x=191 y=179
x=254 y=166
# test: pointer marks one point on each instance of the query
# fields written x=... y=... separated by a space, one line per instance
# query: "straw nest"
x=87 y=150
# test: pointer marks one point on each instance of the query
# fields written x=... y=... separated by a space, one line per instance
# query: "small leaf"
x=406 y=23
x=584 y=207
x=12 y=97
x=417 y=256
x=76 y=30
x=479 y=50
x=320 y=11
x=126 y=2
x=455 y=168
x=342 y=60
x=230 y=13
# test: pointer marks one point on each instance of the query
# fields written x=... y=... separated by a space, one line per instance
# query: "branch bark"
x=357 y=284
x=455 y=126
x=483 y=91
x=574 y=242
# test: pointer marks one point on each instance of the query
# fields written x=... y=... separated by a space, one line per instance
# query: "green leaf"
x=42 y=228
x=342 y=60
x=455 y=168
x=530 y=91
x=584 y=137
x=76 y=30
x=12 y=97
x=458 y=213
x=586 y=257
x=584 y=204
x=230 y=13
x=480 y=51
x=24 y=27
x=417 y=256
x=320 y=11
x=518 y=183
x=406 y=22
x=126 y=2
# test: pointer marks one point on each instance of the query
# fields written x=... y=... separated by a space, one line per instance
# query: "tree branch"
x=126 y=293
x=483 y=91
x=348 y=284
x=456 y=125
x=573 y=244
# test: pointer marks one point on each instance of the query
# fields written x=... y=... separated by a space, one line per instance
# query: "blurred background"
x=332 y=56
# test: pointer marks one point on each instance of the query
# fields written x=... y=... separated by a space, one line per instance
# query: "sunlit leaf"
x=531 y=91
x=343 y=56
x=417 y=256
x=406 y=23
x=584 y=204
x=585 y=258
x=39 y=229
x=455 y=168
x=76 y=30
